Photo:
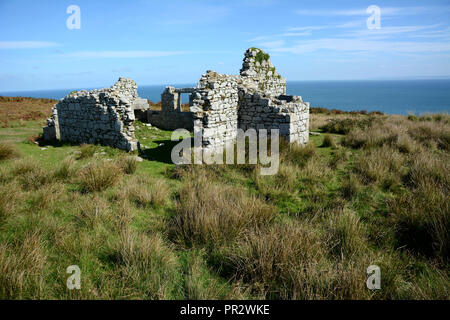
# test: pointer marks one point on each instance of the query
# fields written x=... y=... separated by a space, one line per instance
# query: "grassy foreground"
x=369 y=190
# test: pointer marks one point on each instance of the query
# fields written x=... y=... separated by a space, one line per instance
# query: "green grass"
x=364 y=192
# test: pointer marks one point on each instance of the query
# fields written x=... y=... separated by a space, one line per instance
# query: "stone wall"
x=220 y=104
x=214 y=107
x=103 y=116
x=259 y=75
x=170 y=117
x=288 y=114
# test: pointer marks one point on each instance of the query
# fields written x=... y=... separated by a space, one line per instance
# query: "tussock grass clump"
x=345 y=125
x=46 y=195
x=90 y=209
x=284 y=181
x=437 y=132
x=66 y=169
x=128 y=164
x=148 y=266
x=421 y=214
x=376 y=165
x=346 y=234
x=11 y=196
x=406 y=144
x=144 y=191
x=425 y=166
x=371 y=137
x=8 y=151
x=283 y=259
x=99 y=175
x=86 y=151
x=422 y=220
x=22 y=268
x=208 y=213
x=295 y=153
x=350 y=187
x=328 y=142
x=30 y=174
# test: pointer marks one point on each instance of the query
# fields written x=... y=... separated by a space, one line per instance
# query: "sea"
x=391 y=97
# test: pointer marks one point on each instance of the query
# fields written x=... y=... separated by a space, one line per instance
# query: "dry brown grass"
x=346 y=234
x=66 y=169
x=128 y=164
x=295 y=153
x=157 y=106
x=377 y=165
x=31 y=174
x=8 y=151
x=14 y=109
x=11 y=197
x=328 y=141
x=143 y=191
x=318 y=120
x=86 y=151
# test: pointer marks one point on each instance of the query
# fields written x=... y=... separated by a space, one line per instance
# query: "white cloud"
x=295 y=34
x=363 y=45
x=123 y=54
x=26 y=44
x=393 y=30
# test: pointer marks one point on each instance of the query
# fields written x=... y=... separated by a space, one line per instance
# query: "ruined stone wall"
x=170 y=117
x=127 y=89
x=288 y=114
x=259 y=75
x=170 y=120
x=214 y=106
x=103 y=116
x=219 y=105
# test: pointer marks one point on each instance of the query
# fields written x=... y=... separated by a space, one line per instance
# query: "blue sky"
x=170 y=42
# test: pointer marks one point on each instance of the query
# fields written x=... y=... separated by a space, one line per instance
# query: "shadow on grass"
x=162 y=153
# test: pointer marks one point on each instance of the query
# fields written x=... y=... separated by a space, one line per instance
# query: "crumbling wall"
x=170 y=117
x=256 y=99
x=220 y=104
x=259 y=75
x=288 y=114
x=103 y=116
x=214 y=106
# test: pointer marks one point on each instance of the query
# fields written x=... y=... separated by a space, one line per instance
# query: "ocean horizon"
x=389 y=96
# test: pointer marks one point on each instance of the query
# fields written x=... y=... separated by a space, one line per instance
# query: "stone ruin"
x=103 y=116
x=218 y=106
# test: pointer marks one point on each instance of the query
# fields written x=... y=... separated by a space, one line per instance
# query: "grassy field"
x=369 y=190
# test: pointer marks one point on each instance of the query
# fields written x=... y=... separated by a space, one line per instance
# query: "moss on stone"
x=260 y=55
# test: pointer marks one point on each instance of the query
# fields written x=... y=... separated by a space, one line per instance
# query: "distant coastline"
x=389 y=96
